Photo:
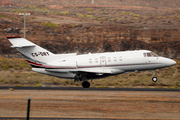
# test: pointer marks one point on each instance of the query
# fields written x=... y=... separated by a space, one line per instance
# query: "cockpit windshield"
x=150 y=54
x=154 y=54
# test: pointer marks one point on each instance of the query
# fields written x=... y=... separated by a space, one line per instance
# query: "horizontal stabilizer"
x=19 y=42
x=22 y=46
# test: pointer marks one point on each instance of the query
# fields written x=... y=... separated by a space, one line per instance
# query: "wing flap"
x=92 y=70
x=61 y=70
x=96 y=70
x=102 y=71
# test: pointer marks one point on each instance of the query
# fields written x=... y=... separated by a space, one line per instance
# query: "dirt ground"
x=91 y=104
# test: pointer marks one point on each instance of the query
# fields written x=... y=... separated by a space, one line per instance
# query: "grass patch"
x=96 y=18
x=80 y=15
x=31 y=7
x=89 y=16
x=49 y=24
x=42 y=10
x=112 y=19
x=38 y=85
x=64 y=13
x=19 y=10
x=104 y=19
x=88 y=9
x=15 y=63
x=104 y=12
x=136 y=18
x=12 y=18
x=125 y=13
x=18 y=85
x=2 y=15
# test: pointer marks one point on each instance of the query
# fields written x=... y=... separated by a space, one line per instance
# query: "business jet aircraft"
x=87 y=66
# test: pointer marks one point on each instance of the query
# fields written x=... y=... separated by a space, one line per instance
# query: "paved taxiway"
x=90 y=89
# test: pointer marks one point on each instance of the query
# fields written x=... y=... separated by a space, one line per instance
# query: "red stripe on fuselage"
x=117 y=65
x=59 y=67
x=37 y=64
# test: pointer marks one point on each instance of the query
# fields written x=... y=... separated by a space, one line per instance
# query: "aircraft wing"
x=90 y=70
x=102 y=71
x=61 y=70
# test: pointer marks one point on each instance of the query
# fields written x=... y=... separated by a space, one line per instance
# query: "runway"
x=76 y=103
x=37 y=118
x=90 y=89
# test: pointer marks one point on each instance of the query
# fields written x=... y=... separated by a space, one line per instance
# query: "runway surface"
x=34 y=118
x=76 y=103
x=90 y=89
x=21 y=118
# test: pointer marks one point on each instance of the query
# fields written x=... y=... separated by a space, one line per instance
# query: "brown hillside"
x=99 y=29
x=142 y=3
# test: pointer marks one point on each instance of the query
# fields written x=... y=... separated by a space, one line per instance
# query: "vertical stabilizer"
x=34 y=54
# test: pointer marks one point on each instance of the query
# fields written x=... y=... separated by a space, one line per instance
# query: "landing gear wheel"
x=154 y=79
x=86 y=84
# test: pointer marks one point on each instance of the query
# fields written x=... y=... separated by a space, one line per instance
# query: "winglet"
x=10 y=37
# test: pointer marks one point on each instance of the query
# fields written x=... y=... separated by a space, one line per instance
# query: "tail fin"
x=35 y=55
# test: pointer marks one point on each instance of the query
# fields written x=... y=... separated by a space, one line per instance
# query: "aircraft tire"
x=154 y=79
x=85 y=84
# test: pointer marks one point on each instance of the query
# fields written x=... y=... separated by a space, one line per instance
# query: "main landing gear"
x=81 y=77
x=154 y=79
x=85 y=84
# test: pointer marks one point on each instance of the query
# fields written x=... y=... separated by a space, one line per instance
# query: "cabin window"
x=96 y=60
x=115 y=59
x=109 y=59
x=120 y=58
x=148 y=54
x=90 y=60
x=144 y=54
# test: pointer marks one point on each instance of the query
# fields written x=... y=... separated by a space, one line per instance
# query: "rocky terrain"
x=64 y=28
x=107 y=3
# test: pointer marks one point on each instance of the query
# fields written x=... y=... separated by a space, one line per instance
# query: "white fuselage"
x=110 y=63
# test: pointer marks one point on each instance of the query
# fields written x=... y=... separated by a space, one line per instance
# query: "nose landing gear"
x=154 y=79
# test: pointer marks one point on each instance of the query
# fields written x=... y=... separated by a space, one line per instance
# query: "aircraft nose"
x=171 y=62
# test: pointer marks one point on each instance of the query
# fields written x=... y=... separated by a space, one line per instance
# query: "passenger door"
x=103 y=61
